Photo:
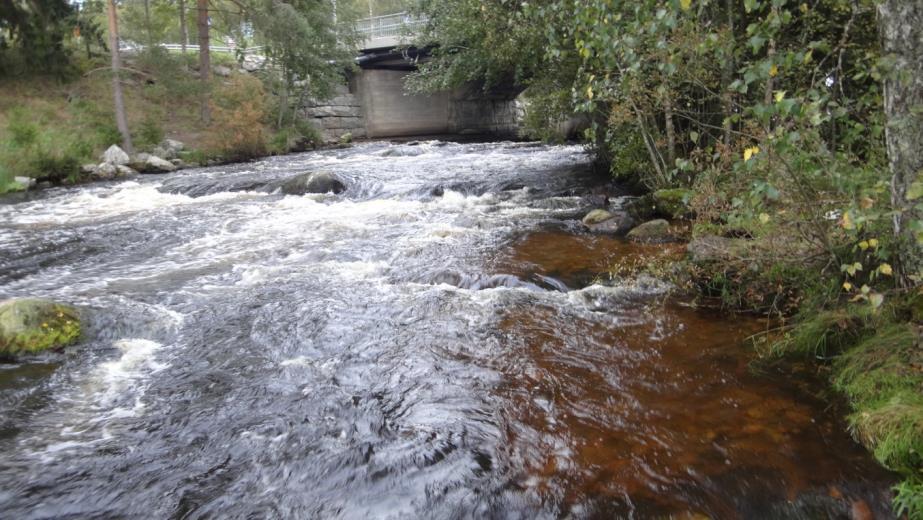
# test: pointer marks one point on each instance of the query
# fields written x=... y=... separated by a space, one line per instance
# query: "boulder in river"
x=313 y=182
x=31 y=325
x=105 y=171
x=657 y=230
x=115 y=156
x=155 y=164
x=603 y=221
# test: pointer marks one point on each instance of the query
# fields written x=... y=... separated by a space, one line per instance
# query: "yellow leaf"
x=876 y=300
x=750 y=152
x=863 y=245
x=804 y=8
x=873 y=243
x=885 y=269
x=847 y=286
x=846 y=221
x=764 y=218
x=780 y=95
x=808 y=56
x=773 y=71
x=866 y=202
x=589 y=92
x=685 y=4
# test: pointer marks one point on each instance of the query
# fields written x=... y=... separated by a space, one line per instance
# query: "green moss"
x=29 y=326
x=672 y=203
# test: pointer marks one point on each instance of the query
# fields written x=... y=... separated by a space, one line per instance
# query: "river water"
x=435 y=342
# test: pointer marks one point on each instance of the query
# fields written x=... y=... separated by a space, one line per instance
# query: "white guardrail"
x=388 y=26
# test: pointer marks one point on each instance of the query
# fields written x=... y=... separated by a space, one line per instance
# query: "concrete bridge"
x=375 y=104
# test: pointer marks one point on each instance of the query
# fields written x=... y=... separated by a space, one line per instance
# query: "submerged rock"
x=31 y=325
x=652 y=231
x=313 y=182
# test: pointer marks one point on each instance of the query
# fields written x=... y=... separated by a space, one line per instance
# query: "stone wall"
x=336 y=116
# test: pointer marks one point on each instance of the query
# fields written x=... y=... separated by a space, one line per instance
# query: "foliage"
x=32 y=36
x=238 y=113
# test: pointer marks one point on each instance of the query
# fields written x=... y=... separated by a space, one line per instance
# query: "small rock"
x=173 y=144
x=125 y=171
x=651 y=231
x=115 y=156
x=672 y=203
x=596 y=216
x=28 y=182
x=88 y=168
x=105 y=171
x=221 y=70
x=164 y=153
x=179 y=163
x=31 y=325
x=712 y=248
x=155 y=164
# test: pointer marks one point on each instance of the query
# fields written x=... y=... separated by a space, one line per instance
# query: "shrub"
x=238 y=113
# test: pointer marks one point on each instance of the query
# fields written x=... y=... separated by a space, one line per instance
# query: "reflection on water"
x=436 y=342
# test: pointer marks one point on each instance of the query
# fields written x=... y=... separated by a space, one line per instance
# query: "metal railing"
x=176 y=47
x=389 y=25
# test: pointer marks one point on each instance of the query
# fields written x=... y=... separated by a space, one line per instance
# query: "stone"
x=603 y=221
x=221 y=70
x=88 y=168
x=651 y=231
x=712 y=248
x=596 y=216
x=672 y=203
x=125 y=171
x=105 y=171
x=155 y=164
x=173 y=145
x=179 y=163
x=313 y=182
x=164 y=153
x=333 y=111
x=32 y=325
x=115 y=156
x=27 y=182
x=346 y=138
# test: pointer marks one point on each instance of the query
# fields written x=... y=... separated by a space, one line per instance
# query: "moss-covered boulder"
x=31 y=325
x=672 y=203
x=652 y=231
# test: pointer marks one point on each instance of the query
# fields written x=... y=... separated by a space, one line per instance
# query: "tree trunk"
x=727 y=75
x=121 y=121
x=147 y=22
x=183 y=32
x=671 y=132
x=204 y=58
x=901 y=25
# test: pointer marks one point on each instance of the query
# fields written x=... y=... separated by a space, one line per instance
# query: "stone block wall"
x=336 y=116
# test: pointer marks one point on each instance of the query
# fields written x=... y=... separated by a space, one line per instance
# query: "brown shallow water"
x=665 y=413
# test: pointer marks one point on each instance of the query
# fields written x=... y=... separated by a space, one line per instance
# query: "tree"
x=901 y=23
x=183 y=32
x=204 y=58
x=121 y=120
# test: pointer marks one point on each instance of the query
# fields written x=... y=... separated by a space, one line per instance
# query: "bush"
x=238 y=114
x=150 y=134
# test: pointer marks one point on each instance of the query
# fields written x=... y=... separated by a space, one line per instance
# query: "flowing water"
x=432 y=343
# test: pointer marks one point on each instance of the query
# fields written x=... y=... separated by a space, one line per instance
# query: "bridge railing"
x=389 y=26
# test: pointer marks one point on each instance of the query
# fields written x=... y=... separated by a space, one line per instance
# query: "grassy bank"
x=49 y=127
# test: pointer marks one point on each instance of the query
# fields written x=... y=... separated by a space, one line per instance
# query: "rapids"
x=435 y=342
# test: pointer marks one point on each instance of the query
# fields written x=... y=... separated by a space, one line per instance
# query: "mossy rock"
x=597 y=216
x=31 y=325
x=652 y=231
x=672 y=203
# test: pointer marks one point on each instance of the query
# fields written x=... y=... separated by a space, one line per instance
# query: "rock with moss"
x=672 y=203
x=652 y=231
x=31 y=325
x=608 y=222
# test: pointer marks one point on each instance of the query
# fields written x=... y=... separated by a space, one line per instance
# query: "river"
x=435 y=342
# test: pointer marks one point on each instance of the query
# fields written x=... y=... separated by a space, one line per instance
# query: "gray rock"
x=334 y=111
x=88 y=168
x=613 y=223
x=314 y=182
x=125 y=171
x=173 y=144
x=712 y=248
x=164 y=153
x=28 y=182
x=596 y=216
x=652 y=231
x=179 y=163
x=155 y=164
x=105 y=171
x=115 y=156
x=221 y=70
